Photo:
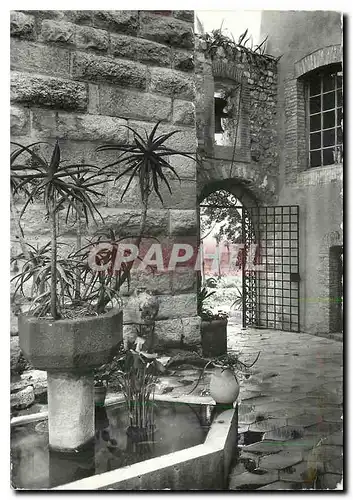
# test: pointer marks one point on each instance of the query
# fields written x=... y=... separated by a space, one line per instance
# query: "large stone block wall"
x=79 y=76
x=255 y=162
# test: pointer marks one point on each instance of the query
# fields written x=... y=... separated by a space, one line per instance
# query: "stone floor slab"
x=330 y=482
x=280 y=485
x=281 y=460
x=268 y=424
x=251 y=481
x=299 y=472
x=305 y=420
x=264 y=447
x=285 y=433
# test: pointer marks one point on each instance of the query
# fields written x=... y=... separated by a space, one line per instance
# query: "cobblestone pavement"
x=294 y=397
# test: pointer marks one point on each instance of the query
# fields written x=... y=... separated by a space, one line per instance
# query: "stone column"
x=70 y=409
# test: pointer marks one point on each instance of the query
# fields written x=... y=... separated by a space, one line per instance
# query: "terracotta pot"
x=224 y=387
x=214 y=338
x=100 y=392
x=70 y=344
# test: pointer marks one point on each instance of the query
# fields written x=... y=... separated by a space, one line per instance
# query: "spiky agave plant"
x=147 y=160
x=60 y=185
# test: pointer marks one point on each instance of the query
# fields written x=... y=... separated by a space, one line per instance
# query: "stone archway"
x=269 y=258
x=235 y=209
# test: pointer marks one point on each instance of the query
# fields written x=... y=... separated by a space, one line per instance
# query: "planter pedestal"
x=69 y=350
x=70 y=410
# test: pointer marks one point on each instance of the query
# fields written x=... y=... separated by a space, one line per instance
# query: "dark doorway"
x=336 y=289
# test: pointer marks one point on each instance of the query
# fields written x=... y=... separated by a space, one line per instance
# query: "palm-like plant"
x=146 y=159
x=59 y=185
x=37 y=268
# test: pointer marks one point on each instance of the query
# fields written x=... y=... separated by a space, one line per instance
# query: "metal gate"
x=271 y=269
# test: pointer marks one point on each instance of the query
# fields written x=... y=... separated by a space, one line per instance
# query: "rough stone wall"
x=255 y=162
x=79 y=76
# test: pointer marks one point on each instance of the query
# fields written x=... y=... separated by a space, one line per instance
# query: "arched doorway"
x=228 y=239
x=268 y=255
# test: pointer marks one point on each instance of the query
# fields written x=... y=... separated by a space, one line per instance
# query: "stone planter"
x=214 y=337
x=100 y=392
x=224 y=387
x=69 y=350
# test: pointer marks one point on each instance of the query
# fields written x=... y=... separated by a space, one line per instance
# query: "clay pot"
x=224 y=387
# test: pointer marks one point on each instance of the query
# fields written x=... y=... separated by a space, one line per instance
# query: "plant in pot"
x=134 y=372
x=225 y=378
x=213 y=327
x=62 y=332
x=101 y=381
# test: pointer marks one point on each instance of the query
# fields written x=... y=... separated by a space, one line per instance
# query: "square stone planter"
x=214 y=337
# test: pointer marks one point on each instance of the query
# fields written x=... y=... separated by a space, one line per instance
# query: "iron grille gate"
x=271 y=291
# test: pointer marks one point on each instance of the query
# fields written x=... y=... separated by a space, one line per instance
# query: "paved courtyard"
x=291 y=405
x=295 y=397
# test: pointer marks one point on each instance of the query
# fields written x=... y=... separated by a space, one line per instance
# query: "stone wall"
x=79 y=76
x=253 y=162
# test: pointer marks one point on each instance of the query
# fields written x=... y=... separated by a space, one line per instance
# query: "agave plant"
x=202 y=295
x=238 y=302
x=147 y=160
x=61 y=186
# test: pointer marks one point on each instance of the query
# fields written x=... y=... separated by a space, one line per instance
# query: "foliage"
x=37 y=269
x=61 y=186
x=219 y=209
x=232 y=362
x=137 y=372
x=58 y=184
x=147 y=159
x=202 y=295
x=211 y=282
x=216 y=38
x=209 y=315
x=238 y=302
x=72 y=189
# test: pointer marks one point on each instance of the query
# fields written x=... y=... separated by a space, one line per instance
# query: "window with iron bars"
x=325 y=117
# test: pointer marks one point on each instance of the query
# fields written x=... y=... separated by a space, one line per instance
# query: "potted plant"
x=75 y=321
x=134 y=372
x=213 y=327
x=62 y=332
x=101 y=381
x=225 y=378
